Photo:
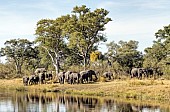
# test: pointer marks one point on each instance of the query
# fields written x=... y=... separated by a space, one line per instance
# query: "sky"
x=131 y=19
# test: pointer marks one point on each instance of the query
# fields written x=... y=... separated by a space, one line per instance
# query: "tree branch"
x=49 y=54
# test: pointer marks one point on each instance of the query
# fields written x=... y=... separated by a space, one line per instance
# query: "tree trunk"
x=85 y=62
x=18 y=69
x=56 y=65
x=54 y=60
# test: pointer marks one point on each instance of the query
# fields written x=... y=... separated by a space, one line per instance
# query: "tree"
x=163 y=38
x=84 y=29
x=33 y=59
x=49 y=37
x=125 y=54
x=158 y=55
x=18 y=51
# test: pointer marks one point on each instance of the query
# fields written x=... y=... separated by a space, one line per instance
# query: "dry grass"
x=127 y=89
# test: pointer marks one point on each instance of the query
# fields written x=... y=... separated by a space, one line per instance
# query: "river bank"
x=126 y=89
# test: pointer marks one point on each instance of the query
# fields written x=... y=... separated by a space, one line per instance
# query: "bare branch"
x=49 y=54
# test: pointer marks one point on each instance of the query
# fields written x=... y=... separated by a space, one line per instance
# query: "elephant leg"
x=60 y=80
x=87 y=79
x=91 y=78
x=71 y=80
x=140 y=76
x=81 y=80
x=63 y=80
x=78 y=80
x=109 y=77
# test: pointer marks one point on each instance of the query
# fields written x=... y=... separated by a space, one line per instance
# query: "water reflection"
x=50 y=102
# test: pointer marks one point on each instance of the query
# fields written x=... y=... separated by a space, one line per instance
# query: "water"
x=52 y=102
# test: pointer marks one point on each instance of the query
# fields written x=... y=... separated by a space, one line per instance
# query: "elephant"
x=149 y=72
x=25 y=80
x=33 y=79
x=108 y=75
x=41 y=78
x=86 y=75
x=92 y=73
x=36 y=79
x=137 y=72
x=49 y=76
x=157 y=72
x=73 y=77
x=67 y=76
x=61 y=77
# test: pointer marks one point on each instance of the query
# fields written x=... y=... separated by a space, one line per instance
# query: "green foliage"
x=18 y=51
x=125 y=54
x=72 y=58
x=7 y=70
x=85 y=29
x=50 y=38
x=158 y=56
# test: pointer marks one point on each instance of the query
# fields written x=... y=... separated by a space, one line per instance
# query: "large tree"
x=85 y=29
x=49 y=36
x=18 y=51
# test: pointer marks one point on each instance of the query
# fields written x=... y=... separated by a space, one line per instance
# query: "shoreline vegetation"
x=147 y=89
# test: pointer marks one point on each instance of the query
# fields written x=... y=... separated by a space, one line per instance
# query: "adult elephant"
x=67 y=76
x=108 y=75
x=92 y=73
x=157 y=72
x=84 y=77
x=88 y=75
x=61 y=77
x=74 y=77
x=41 y=78
x=137 y=72
x=149 y=72
x=49 y=76
x=33 y=79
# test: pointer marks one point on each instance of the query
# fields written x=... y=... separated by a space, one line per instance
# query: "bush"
x=7 y=70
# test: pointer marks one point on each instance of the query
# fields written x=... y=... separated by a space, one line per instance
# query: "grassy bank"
x=126 y=89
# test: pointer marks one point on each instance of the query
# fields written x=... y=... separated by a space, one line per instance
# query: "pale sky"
x=132 y=19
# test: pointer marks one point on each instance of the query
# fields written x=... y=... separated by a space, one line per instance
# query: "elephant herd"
x=75 y=77
x=145 y=72
x=39 y=77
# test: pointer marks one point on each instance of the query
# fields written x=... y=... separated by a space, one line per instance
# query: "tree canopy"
x=158 y=56
x=125 y=54
x=18 y=51
x=85 y=29
x=49 y=36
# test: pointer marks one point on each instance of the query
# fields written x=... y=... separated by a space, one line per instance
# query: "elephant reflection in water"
x=36 y=98
x=109 y=104
x=72 y=103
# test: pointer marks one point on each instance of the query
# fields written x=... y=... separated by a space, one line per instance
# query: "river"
x=53 y=102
